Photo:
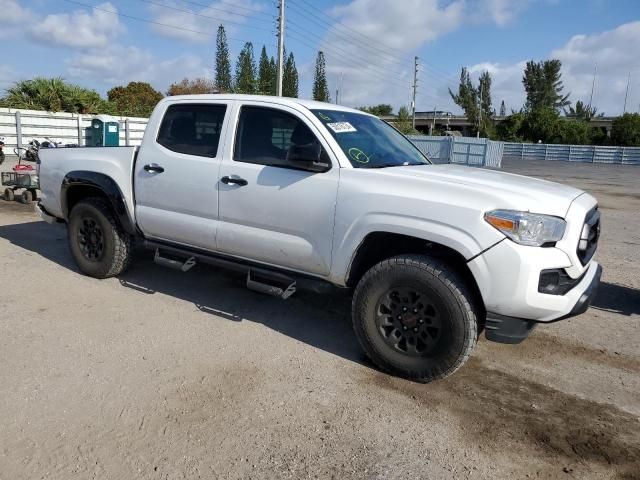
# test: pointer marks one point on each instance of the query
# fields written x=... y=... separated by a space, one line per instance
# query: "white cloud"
x=192 y=23
x=503 y=11
x=616 y=53
x=12 y=18
x=79 y=29
x=12 y=12
x=506 y=83
x=119 y=65
x=373 y=69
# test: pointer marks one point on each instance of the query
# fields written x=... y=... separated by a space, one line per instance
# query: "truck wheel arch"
x=81 y=184
x=379 y=246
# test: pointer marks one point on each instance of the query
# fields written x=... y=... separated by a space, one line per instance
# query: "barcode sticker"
x=341 y=127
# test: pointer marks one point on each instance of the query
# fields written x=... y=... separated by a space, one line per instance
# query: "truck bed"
x=56 y=163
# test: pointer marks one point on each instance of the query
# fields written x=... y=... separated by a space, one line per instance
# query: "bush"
x=625 y=130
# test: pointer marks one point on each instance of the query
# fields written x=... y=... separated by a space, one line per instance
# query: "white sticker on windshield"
x=341 y=127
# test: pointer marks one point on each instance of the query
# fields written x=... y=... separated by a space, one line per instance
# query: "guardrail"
x=479 y=152
x=573 y=153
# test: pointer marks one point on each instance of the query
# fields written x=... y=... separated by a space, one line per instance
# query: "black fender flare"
x=107 y=186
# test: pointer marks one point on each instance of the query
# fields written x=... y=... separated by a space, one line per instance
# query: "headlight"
x=527 y=228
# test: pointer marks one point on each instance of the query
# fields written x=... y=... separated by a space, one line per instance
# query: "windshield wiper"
x=385 y=165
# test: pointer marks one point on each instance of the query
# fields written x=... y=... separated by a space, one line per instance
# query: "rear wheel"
x=99 y=245
x=414 y=318
x=9 y=195
x=27 y=197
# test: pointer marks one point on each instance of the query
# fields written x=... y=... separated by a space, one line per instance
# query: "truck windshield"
x=368 y=142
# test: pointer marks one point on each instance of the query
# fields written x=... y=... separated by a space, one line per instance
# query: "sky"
x=369 y=45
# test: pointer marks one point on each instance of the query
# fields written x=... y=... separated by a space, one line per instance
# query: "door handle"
x=234 y=180
x=153 y=167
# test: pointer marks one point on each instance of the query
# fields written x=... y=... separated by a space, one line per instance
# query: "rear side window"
x=192 y=129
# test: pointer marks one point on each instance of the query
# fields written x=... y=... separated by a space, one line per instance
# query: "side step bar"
x=258 y=279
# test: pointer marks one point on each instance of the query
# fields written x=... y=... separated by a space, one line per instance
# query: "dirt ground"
x=163 y=375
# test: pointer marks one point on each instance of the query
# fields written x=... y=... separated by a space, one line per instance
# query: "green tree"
x=511 y=128
x=543 y=84
x=320 y=86
x=467 y=97
x=403 y=122
x=245 y=81
x=290 y=78
x=274 y=76
x=503 y=109
x=192 y=86
x=223 y=64
x=136 y=99
x=485 y=121
x=265 y=80
x=381 y=110
x=572 y=132
x=582 y=111
x=54 y=95
x=542 y=125
x=625 y=130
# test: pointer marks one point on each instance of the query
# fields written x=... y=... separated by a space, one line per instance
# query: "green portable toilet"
x=105 y=132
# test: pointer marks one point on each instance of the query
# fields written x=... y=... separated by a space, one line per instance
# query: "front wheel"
x=99 y=245
x=414 y=318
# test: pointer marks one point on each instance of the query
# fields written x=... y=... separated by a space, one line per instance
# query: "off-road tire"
x=117 y=249
x=26 y=197
x=445 y=289
x=9 y=195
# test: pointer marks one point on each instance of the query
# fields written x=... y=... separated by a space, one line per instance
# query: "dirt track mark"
x=508 y=413
x=551 y=345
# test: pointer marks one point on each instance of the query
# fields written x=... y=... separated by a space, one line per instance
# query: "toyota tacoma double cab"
x=283 y=188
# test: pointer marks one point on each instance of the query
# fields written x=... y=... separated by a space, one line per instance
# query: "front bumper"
x=505 y=329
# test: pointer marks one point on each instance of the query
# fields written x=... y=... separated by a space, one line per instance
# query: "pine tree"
x=320 y=87
x=290 y=78
x=503 y=109
x=274 y=76
x=223 y=64
x=245 y=81
x=467 y=97
x=543 y=83
x=265 y=81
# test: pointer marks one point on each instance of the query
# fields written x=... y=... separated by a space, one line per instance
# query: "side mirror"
x=307 y=157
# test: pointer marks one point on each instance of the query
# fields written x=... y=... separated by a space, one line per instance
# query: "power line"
x=361 y=64
x=145 y=20
x=398 y=55
x=253 y=11
x=205 y=16
x=347 y=55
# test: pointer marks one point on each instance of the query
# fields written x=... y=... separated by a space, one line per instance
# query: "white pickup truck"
x=282 y=188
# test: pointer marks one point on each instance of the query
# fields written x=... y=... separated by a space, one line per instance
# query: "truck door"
x=271 y=210
x=176 y=174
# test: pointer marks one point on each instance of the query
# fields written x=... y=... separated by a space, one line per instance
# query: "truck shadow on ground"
x=617 y=299
x=317 y=314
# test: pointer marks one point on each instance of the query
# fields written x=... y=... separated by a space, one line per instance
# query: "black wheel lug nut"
x=415 y=310
x=404 y=328
x=415 y=329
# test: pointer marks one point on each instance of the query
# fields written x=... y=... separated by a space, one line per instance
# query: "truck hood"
x=497 y=189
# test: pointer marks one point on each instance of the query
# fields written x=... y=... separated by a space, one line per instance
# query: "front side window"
x=265 y=136
x=368 y=142
x=192 y=129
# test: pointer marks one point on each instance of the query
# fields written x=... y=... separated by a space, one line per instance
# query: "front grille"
x=589 y=236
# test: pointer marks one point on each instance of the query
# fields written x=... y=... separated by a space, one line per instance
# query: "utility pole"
x=415 y=86
x=433 y=124
x=479 y=111
x=280 y=47
x=624 y=109
x=593 y=85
